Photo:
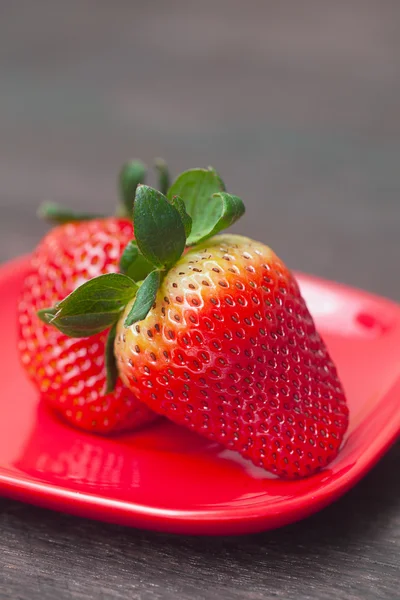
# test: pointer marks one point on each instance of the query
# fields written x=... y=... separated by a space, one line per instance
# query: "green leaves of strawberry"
x=93 y=307
x=209 y=206
x=131 y=174
x=159 y=227
x=133 y=263
x=179 y=204
x=195 y=207
x=145 y=298
x=224 y=209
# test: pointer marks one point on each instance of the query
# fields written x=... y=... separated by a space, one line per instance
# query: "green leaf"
x=131 y=175
x=196 y=188
x=110 y=361
x=94 y=306
x=159 y=230
x=133 y=263
x=145 y=298
x=226 y=210
x=55 y=213
x=128 y=257
x=219 y=178
x=163 y=175
x=179 y=204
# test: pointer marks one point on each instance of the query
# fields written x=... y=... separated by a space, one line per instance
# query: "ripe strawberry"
x=70 y=373
x=220 y=340
x=230 y=351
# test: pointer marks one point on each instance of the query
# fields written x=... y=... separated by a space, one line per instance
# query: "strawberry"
x=218 y=338
x=70 y=374
x=231 y=351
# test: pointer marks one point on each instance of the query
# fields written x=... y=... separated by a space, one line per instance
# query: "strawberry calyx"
x=93 y=307
x=132 y=173
x=195 y=207
x=133 y=263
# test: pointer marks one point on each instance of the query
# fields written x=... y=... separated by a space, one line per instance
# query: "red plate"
x=166 y=478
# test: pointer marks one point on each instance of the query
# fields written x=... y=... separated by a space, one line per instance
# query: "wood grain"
x=297 y=105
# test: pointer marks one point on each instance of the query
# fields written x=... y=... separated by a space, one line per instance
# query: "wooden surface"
x=297 y=105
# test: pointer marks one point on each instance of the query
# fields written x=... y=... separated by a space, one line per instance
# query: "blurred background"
x=296 y=104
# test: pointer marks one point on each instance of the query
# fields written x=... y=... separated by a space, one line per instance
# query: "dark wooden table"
x=297 y=105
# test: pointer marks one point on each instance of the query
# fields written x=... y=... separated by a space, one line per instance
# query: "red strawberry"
x=217 y=339
x=70 y=373
x=231 y=351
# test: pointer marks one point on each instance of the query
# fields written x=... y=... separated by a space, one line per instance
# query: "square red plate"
x=166 y=478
